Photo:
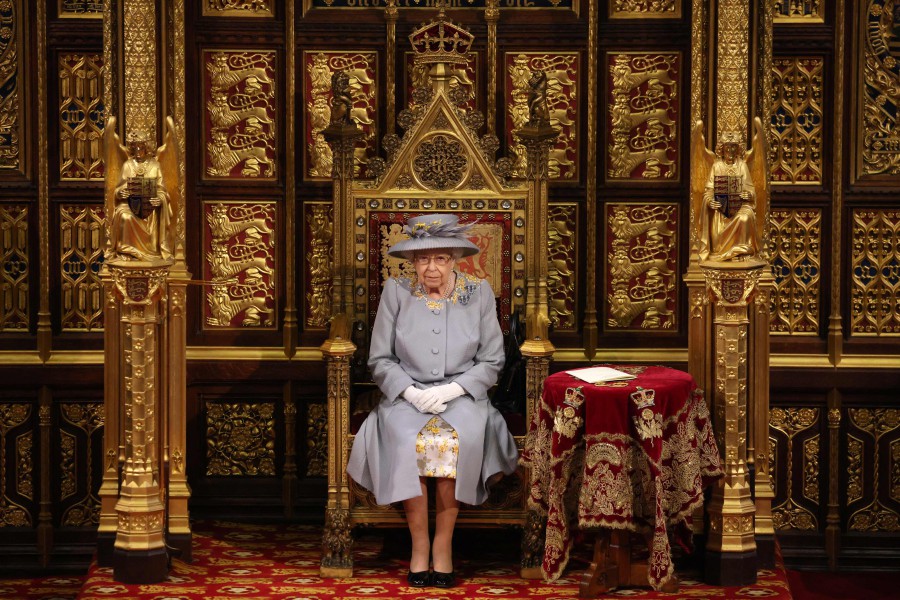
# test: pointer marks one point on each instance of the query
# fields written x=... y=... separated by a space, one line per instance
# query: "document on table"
x=600 y=374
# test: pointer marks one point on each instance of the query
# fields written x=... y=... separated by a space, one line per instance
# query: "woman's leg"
x=417 y=519
x=447 y=509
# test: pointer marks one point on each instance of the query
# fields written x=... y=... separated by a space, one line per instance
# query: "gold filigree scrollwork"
x=81 y=249
x=440 y=162
x=732 y=52
x=360 y=69
x=876 y=422
x=12 y=514
x=10 y=76
x=562 y=266
x=238 y=8
x=13 y=267
x=879 y=90
x=240 y=262
x=641 y=266
x=316 y=440
x=790 y=422
x=80 y=8
x=875 y=264
x=68 y=474
x=803 y=11
x=319 y=257
x=795 y=131
x=643 y=116
x=240 y=438
x=645 y=9
x=240 y=114
x=811 y=469
x=24 y=465
x=87 y=418
x=140 y=58
x=773 y=464
x=795 y=245
x=562 y=71
x=461 y=76
x=895 y=471
x=81 y=117
x=855 y=481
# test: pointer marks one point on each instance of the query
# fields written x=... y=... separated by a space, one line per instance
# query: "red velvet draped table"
x=630 y=455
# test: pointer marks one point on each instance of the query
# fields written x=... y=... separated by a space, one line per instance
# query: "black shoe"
x=443 y=580
x=418 y=578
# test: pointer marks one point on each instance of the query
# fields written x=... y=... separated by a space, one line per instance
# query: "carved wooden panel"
x=11 y=123
x=460 y=76
x=799 y=11
x=563 y=70
x=81 y=9
x=875 y=272
x=240 y=130
x=81 y=255
x=316 y=440
x=81 y=117
x=795 y=152
x=238 y=8
x=878 y=103
x=795 y=244
x=17 y=455
x=319 y=252
x=318 y=67
x=641 y=266
x=796 y=471
x=642 y=123
x=645 y=9
x=80 y=462
x=14 y=267
x=240 y=438
x=873 y=493
x=562 y=268
x=478 y=5
x=239 y=242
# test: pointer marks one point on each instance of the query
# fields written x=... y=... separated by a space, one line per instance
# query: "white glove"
x=422 y=400
x=445 y=393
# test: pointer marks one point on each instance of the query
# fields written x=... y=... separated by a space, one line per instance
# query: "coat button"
x=434 y=371
x=436 y=330
x=434 y=350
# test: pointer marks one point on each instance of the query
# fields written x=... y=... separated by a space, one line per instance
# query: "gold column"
x=177 y=491
x=337 y=560
x=731 y=557
x=492 y=17
x=591 y=328
x=112 y=437
x=140 y=550
x=391 y=13
x=835 y=333
x=833 y=516
x=758 y=442
x=44 y=329
x=45 y=512
x=140 y=62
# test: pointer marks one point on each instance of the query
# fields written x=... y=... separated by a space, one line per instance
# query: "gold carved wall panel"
x=732 y=64
x=641 y=266
x=563 y=70
x=238 y=8
x=11 y=77
x=790 y=425
x=875 y=272
x=562 y=267
x=25 y=460
x=240 y=126
x=81 y=423
x=316 y=440
x=795 y=150
x=319 y=258
x=239 y=242
x=879 y=429
x=878 y=91
x=645 y=9
x=318 y=67
x=13 y=417
x=14 y=267
x=795 y=245
x=81 y=8
x=642 y=123
x=855 y=475
x=81 y=117
x=240 y=438
x=81 y=249
x=799 y=11
x=464 y=76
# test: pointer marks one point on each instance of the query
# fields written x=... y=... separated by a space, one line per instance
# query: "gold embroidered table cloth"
x=632 y=455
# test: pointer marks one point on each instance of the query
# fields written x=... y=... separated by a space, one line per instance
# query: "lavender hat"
x=434 y=232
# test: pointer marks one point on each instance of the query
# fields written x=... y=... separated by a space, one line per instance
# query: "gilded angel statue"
x=728 y=195
x=142 y=195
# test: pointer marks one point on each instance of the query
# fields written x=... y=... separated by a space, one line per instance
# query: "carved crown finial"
x=441 y=41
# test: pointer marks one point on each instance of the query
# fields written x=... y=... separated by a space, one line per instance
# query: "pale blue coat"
x=413 y=344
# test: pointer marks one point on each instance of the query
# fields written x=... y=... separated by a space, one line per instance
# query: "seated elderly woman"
x=436 y=349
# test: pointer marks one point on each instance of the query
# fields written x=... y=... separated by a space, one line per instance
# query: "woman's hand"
x=425 y=401
x=445 y=394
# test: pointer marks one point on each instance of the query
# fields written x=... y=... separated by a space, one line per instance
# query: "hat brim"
x=406 y=248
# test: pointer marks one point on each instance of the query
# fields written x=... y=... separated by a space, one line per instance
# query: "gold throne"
x=441 y=164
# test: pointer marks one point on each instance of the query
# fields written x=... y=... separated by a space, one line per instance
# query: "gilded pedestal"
x=731 y=546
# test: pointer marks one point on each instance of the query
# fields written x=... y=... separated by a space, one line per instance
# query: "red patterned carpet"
x=256 y=562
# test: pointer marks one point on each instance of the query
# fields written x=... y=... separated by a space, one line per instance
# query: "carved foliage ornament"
x=12 y=416
x=875 y=264
x=881 y=425
x=319 y=258
x=10 y=119
x=240 y=438
x=795 y=155
x=13 y=267
x=80 y=423
x=81 y=117
x=238 y=8
x=795 y=242
x=240 y=128
x=643 y=116
x=562 y=265
x=240 y=263
x=790 y=423
x=879 y=151
x=81 y=248
x=645 y=9
x=562 y=72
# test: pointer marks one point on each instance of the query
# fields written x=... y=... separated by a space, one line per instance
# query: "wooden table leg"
x=602 y=576
x=612 y=566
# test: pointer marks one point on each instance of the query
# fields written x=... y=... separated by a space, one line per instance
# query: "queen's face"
x=433 y=267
